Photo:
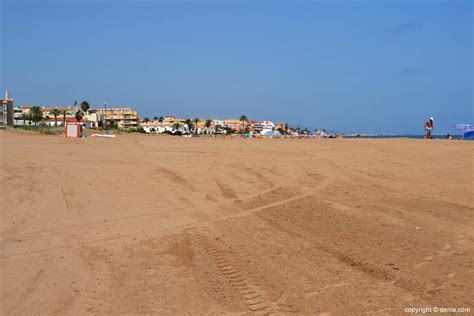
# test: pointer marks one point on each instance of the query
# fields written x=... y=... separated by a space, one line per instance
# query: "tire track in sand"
x=257 y=298
x=324 y=183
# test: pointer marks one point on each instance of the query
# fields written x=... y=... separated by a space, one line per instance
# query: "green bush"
x=50 y=131
x=132 y=130
x=26 y=127
x=41 y=128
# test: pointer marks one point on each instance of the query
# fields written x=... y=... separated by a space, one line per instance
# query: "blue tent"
x=469 y=134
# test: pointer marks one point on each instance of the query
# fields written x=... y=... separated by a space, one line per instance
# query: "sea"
x=417 y=136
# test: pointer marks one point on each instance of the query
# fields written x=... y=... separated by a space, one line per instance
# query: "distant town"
x=127 y=119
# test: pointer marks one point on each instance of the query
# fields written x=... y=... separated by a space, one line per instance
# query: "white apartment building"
x=263 y=126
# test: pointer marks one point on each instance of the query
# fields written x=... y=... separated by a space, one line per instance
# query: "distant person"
x=449 y=136
x=429 y=128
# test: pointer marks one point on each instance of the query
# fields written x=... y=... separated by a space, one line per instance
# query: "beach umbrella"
x=463 y=127
x=466 y=129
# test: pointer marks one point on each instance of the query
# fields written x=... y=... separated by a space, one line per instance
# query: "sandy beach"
x=144 y=224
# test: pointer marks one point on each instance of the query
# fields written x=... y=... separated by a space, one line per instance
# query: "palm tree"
x=189 y=122
x=229 y=130
x=25 y=117
x=36 y=114
x=155 y=118
x=85 y=106
x=161 y=119
x=79 y=115
x=146 y=120
x=196 y=121
x=208 y=124
x=56 y=113
x=243 y=119
x=64 y=117
x=176 y=126
x=111 y=124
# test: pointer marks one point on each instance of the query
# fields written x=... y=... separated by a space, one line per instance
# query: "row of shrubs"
x=43 y=128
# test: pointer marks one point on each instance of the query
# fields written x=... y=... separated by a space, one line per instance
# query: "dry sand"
x=165 y=225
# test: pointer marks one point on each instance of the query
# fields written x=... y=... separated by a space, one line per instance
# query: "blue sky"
x=365 y=66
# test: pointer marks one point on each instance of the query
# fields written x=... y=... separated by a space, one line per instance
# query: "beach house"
x=263 y=127
x=65 y=112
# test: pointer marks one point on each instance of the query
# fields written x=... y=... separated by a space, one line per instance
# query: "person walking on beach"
x=429 y=128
